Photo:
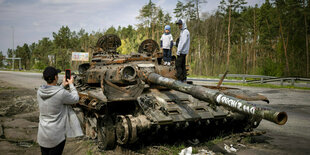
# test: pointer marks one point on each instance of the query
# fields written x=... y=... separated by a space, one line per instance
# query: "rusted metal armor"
x=124 y=98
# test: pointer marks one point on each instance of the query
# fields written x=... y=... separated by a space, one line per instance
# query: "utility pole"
x=13 y=48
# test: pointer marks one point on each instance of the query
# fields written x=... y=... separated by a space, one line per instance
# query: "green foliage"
x=56 y=52
x=7 y=88
x=111 y=30
x=25 y=54
x=89 y=152
x=270 y=68
x=215 y=141
x=264 y=39
x=179 y=10
x=40 y=53
x=126 y=47
x=172 y=149
x=147 y=17
x=190 y=12
x=2 y=58
x=39 y=65
x=266 y=86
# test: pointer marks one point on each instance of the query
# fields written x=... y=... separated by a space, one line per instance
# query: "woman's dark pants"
x=57 y=150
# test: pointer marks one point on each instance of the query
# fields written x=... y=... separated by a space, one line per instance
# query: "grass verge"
x=265 y=86
x=176 y=149
x=6 y=88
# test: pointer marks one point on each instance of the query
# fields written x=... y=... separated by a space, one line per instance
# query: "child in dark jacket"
x=166 y=43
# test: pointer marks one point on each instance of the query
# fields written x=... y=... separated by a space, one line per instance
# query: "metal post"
x=281 y=82
x=261 y=80
x=293 y=82
x=243 y=78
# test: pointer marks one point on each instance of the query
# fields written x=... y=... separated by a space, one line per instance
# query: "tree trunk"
x=307 y=43
x=157 y=36
x=242 y=56
x=254 y=43
x=228 y=38
x=285 y=47
x=147 y=33
x=270 y=40
x=214 y=46
x=153 y=31
x=198 y=34
x=248 y=56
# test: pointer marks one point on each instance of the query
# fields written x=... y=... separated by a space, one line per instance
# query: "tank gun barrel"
x=216 y=97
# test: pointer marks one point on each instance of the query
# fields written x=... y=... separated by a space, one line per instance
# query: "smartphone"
x=68 y=74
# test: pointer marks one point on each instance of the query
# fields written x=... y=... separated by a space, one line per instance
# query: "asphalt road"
x=294 y=136
x=24 y=79
x=291 y=138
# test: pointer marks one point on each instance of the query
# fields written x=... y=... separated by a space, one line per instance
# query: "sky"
x=31 y=20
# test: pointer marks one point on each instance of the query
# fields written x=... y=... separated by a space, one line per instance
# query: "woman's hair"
x=49 y=79
x=49 y=74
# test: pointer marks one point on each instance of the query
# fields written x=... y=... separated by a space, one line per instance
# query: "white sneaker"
x=165 y=63
x=168 y=63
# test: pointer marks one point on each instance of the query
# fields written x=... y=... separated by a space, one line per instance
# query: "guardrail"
x=266 y=79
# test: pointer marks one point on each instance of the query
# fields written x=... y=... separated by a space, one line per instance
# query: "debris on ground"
x=241 y=145
x=186 y=151
x=193 y=141
x=24 y=144
x=246 y=134
x=189 y=150
x=230 y=148
x=205 y=152
x=22 y=104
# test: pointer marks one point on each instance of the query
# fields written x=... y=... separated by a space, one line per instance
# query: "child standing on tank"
x=166 y=43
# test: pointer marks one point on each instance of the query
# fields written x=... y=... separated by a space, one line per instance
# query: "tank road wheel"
x=106 y=133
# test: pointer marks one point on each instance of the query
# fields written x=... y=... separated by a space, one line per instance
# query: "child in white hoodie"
x=166 y=43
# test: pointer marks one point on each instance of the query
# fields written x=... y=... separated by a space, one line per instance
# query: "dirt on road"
x=19 y=118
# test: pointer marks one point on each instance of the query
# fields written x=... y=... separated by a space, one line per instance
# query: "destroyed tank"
x=127 y=98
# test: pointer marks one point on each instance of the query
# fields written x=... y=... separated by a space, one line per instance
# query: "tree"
x=306 y=12
x=159 y=21
x=147 y=17
x=25 y=54
x=62 y=38
x=84 y=42
x=197 y=17
x=179 y=10
x=190 y=10
x=2 y=58
x=9 y=53
x=284 y=37
x=229 y=6
x=111 y=30
x=167 y=18
x=40 y=53
x=64 y=44
x=32 y=48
